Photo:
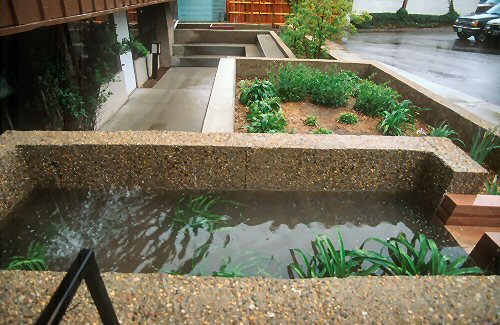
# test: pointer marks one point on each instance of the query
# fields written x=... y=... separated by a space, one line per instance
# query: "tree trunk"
x=405 y=3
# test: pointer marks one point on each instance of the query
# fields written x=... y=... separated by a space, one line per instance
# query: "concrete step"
x=209 y=49
x=195 y=61
x=267 y=47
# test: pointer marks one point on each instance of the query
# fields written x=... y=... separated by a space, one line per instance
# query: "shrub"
x=311 y=120
x=322 y=131
x=444 y=131
x=348 y=118
x=332 y=89
x=272 y=122
x=373 y=99
x=492 y=188
x=267 y=105
x=135 y=46
x=255 y=90
x=33 y=261
x=397 y=119
x=293 y=83
x=418 y=257
x=484 y=144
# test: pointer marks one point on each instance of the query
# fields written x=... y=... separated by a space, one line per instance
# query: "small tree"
x=313 y=22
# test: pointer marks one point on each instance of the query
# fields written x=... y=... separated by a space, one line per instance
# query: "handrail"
x=83 y=268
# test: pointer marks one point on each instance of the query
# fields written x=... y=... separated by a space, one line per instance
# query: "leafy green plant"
x=445 y=131
x=33 y=261
x=311 y=120
x=135 y=46
x=398 y=119
x=420 y=256
x=244 y=265
x=322 y=131
x=483 y=144
x=348 y=118
x=293 y=83
x=267 y=105
x=197 y=212
x=271 y=122
x=319 y=21
x=255 y=90
x=373 y=99
x=327 y=261
x=332 y=89
x=492 y=188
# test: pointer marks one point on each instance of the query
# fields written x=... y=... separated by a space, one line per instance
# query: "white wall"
x=115 y=101
x=122 y=32
x=435 y=7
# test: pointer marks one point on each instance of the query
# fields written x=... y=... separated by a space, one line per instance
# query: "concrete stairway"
x=209 y=54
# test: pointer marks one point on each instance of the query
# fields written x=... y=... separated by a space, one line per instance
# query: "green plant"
x=135 y=46
x=483 y=144
x=332 y=89
x=373 y=99
x=322 y=131
x=397 y=119
x=34 y=260
x=327 y=261
x=492 y=188
x=293 y=83
x=420 y=256
x=267 y=105
x=311 y=120
x=255 y=90
x=348 y=118
x=271 y=122
x=197 y=212
x=445 y=131
x=319 y=21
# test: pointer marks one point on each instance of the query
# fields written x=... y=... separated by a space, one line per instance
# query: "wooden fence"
x=258 y=11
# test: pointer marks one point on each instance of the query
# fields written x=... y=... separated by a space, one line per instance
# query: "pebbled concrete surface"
x=166 y=299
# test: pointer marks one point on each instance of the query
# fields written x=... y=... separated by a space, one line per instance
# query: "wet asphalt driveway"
x=436 y=55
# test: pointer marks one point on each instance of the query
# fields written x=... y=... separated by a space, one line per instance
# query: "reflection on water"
x=132 y=231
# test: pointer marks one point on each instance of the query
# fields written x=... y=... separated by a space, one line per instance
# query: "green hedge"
x=388 y=20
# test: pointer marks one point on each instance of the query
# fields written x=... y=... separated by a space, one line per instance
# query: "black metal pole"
x=83 y=268
x=154 y=75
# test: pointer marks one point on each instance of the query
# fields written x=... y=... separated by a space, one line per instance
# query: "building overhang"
x=18 y=16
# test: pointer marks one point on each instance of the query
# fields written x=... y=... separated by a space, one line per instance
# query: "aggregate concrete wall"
x=234 y=161
x=167 y=299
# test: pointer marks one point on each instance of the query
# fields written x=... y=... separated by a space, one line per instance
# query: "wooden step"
x=470 y=210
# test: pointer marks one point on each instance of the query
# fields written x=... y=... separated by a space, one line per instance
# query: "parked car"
x=492 y=29
x=485 y=5
x=467 y=26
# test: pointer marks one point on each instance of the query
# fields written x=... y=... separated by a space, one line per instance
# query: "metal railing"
x=83 y=268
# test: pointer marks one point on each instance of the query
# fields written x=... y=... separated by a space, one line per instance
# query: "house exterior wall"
x=219 y=7
x=196 y=10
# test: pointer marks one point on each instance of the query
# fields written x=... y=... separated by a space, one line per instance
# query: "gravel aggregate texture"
x=232 y=161
x=167 y=299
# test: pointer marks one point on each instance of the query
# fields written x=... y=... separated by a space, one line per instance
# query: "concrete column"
x=156 y=24
x=126 y=60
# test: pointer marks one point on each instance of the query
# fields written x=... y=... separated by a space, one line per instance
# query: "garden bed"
x=296 y=114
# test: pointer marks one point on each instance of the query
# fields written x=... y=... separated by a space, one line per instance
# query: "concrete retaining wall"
x=141 y=70
x=441 y=109
x=119 y=96
x=233 y=161
x=217 y=36
x=160 y=299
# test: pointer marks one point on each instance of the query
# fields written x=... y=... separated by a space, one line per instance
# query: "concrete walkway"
x=178 y=102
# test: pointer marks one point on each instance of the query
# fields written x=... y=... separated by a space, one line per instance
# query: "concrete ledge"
x=220 y=111
x=159 y=299
x=470 y=210
x=235 y=161
x=267 y=47
x=284 y=49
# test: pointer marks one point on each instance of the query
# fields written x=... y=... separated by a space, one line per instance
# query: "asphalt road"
x=436 y=55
